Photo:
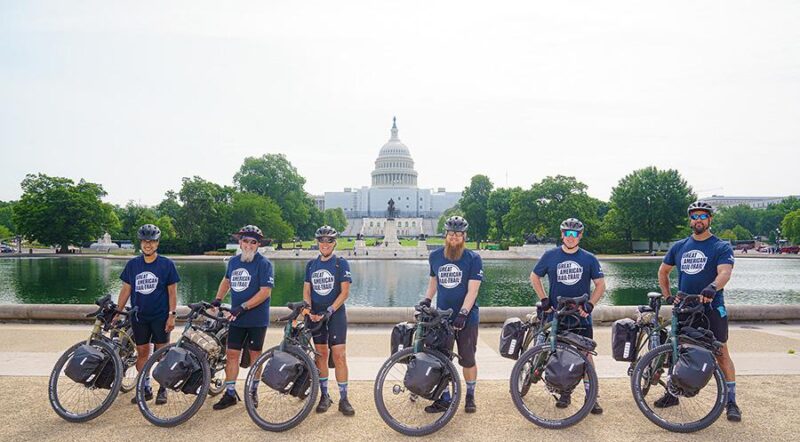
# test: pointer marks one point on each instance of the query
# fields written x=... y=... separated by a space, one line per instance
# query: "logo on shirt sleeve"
x=569 y=272
x=347 y=274
x=693 y=262
x=322 y=282
x=449 y=276
x=146 y=283
x=240 y=279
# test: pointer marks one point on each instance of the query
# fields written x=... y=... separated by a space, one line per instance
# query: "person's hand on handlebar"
x=461 y=319
x=425 y=302
x=216 y=303
x=708 y=293
x=585 y=309
x=236 y=311
x=546 y=306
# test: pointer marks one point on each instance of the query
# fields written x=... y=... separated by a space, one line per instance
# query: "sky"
x=137 y=95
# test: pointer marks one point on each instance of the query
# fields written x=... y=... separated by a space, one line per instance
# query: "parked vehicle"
x=6 y=249
x=791 y=249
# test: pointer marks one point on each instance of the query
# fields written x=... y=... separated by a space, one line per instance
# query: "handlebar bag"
x=693 y=370
x=281 y=371
x=402 y=336
x=511 y=338
x=85 y=364
x=175 y=369
x=564 y=370
x=623 y=339
x=424 y=374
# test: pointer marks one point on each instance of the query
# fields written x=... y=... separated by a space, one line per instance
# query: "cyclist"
x=571 y=270
x=326 y=288
x=151 y=282
x=706 y=264
x=250 y=278
x=455 y=277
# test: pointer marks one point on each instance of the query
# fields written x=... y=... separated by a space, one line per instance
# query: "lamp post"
x=778 y=240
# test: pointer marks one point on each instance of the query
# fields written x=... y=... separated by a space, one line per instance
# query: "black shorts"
x=254 y=336
x=334 y=332
x=150 y=332
x=717 y=322
x=467 y=340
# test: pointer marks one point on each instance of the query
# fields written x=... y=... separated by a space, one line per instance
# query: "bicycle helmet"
x=326 y=231
x=249 y=231
x=456 y=224
x=572 y=224
x=700 y=205
x=149 y=232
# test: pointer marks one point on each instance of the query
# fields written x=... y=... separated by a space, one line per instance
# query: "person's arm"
x=431 y=288
x=472 y=294
x=172 y=294
x=663 y=279
x=538 y=287
x=339 y=301
x=307 y=292
x=599 y=290
x=262 y=295
x=122 y=299
x=724 y=272
x=223 y=288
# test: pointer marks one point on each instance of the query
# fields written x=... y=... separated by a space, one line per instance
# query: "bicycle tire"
x=455 y=384
x=55 y=376
x=215 y=389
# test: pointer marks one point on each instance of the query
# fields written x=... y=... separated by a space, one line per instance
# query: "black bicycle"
x=545 y=381
x=693 y=389
x=89 y=375
x=187 y=370
x=289 y=375
x=412 y=378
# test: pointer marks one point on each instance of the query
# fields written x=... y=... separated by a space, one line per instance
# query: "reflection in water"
x=376 y=283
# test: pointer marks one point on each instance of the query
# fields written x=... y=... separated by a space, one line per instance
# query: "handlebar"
x=436 y=315
x=296 y=308
x=199 y=309
x=683 y=300
x=569 y=306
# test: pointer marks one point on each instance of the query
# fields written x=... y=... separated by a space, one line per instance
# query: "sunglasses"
x=326 y=240
x=249 y=241
x=572 y=233
x=702 y=216
x=451 y=233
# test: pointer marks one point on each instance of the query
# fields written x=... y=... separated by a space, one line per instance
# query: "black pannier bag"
x=175 y=369
x=402 y=336
x=107 y=375
x=440 y=338
x=694 y=369
x=580 y=342
x=424 y=374
x=511 y=338
x=194 y=382
x=564 y=370
x=697 y=336
x=623 y=339
x=302 y=386
x=85 y=364
x=281 y=371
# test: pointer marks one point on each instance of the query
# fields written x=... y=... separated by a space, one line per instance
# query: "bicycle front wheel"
x=683 y=414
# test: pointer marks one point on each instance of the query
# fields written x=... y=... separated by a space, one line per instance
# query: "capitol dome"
x=394 y=166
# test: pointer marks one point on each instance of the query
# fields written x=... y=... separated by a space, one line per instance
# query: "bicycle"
x=650 y=332
x=196 y=376
x=693 y=410
x=414 y=377
x=289 y=372
x=105 y=362
x=545 y=379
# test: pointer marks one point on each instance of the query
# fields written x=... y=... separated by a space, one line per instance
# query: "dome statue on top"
x=394 y=167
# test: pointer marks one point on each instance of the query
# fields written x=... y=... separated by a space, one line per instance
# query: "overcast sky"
x=136 y=95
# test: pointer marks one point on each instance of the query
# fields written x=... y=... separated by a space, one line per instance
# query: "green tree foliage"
x=7 y=215
x=728 y=234
x=205 y=221
x=169 y=206
x=498 y=205
x=5 y=233
x=474 y=203
x=56 y=211
x=335 y=218
x=249 y=208
x=316 y=218
x=651 y=204
x=741 y=233
x=790 y=226
x=743 y=215
x=274 y=176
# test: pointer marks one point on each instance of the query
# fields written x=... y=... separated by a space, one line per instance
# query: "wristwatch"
x=463 y=311
x=173 y=313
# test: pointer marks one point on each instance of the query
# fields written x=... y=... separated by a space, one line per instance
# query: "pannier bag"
x=85 y=364
x=194 y=382
x=623 y=339
x=424 y=375
x=281 y=371
x=564 y=370
x=580 y=342
x=208 y=343
x=302 y=386
x=174 y=370
x=511 y=338
x=107 y=375
x=402 y=336
x=440 y=338
x=694 y=369
x=698 y=336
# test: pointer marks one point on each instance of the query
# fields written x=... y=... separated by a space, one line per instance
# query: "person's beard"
x=454 y=252
x=248 y=256
x=698 y=228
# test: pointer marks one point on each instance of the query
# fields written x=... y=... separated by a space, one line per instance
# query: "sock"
x=342 y=390
x=471 y=388
x=586 y=386
x=230 y=387
x=147 y=383
x=731 y=391
x=323 y=386
x=446 y=395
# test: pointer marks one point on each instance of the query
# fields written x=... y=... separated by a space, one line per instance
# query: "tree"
x=728 y=235
x=6 y=215
x=56 y=211
x=335 y=218
x=498 y=205
x=790 y=226
x=652 y=203
x=742 y=234
x=742 y=215
x=474 y=204
x=205 y=221
x=249 y=208
x=169 y=206
x=5 y=233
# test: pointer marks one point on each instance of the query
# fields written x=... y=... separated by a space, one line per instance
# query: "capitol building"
x=394 y=177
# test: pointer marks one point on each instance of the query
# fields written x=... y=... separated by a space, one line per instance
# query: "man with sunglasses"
x=250 y=278
x=151 y=282
x=571 y=271
x=706 y=264
x=326 y=288
x=456 y=274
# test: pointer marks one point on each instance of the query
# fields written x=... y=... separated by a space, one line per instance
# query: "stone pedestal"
x=390 y=234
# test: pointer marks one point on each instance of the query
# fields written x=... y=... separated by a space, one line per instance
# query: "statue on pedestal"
x=390 y=211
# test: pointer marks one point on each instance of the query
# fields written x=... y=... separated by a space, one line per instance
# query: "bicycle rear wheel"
x=273 y=410
x=76 y=402
x=689 y=414
x=403 y=410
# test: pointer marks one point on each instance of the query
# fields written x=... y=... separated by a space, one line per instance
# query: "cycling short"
x=467 y=341
x=150 y=332
x=253 y=336
x=717 y=321
x=334 y=332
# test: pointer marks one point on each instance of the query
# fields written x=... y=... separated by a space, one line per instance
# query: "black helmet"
x=700 y=205
x=326 y=231
x=249 y=231
x=572 y=224
x=456 y=224
x=149 y=232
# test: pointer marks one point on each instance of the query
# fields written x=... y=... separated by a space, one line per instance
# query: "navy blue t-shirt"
x=697 y=263
x=569 y=274
x=452 y=280
x=247 y=278
x=149 y=286
x=322 y=277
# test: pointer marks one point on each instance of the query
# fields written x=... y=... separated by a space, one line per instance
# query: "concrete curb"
x=393 y=315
